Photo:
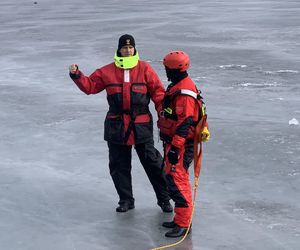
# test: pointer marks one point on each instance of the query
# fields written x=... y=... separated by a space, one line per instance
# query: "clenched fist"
x=73 y=68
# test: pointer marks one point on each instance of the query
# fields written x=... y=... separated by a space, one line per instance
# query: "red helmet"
x=177 y=60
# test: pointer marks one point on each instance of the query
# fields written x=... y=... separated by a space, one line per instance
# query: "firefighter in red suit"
x=130 y=84
x=177 y=122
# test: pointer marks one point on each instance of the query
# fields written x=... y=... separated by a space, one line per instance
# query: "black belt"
x=134 y=111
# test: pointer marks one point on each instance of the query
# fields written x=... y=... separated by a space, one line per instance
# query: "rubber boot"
x=177 y=232
x=169 y=224
x=124 y=207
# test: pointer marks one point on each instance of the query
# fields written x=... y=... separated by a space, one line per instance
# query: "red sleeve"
x=155 y=87
x=185 y=107
x=90 y=85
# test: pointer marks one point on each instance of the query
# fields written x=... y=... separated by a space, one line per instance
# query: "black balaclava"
x=175 y=75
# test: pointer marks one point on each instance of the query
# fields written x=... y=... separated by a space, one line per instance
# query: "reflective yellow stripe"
x=168 y=110
x=203 y=109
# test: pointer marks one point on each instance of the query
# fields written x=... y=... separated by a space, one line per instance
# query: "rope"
x=189 y=227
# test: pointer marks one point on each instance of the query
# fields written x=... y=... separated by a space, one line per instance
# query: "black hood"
x=175 y=75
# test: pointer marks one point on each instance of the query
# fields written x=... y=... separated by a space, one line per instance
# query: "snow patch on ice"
x=294 y=173
x=233 y=66
x=275 y=225
x=293 y=121
x=250 y=220
x=276 y=99
x=241 y=212
x=199 y=79
x=282 y=71
x=258 y=85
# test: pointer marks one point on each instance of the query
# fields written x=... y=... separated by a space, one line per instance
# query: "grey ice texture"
x=55 y=187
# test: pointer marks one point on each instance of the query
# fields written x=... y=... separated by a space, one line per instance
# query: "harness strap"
x=167 y=112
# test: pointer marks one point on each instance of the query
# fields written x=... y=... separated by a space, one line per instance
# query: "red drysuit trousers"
x=177 y=177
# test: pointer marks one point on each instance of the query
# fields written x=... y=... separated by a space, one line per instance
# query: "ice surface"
x=55 y=188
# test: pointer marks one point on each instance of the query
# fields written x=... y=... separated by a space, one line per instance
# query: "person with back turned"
x=181 y=113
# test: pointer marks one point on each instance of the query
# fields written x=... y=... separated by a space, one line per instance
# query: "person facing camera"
x=130 y=84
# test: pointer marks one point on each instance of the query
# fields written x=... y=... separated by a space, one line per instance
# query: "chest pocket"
x=139 y=88
x=114 y=88
x=139 y=94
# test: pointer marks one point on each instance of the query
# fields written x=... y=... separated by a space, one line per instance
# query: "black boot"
x=170 y=224
x=124 y=207
x=177 y=232
x=165 y=206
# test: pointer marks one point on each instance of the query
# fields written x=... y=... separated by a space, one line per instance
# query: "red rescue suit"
x=128 y=120
x=177 y=128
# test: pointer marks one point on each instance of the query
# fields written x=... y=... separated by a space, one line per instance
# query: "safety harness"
x=168 y=118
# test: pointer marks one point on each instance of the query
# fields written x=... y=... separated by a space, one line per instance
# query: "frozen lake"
x=55 y=187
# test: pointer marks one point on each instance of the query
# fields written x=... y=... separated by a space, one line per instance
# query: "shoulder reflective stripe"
x=188 y=92
x=203 y=109
x=126 y=75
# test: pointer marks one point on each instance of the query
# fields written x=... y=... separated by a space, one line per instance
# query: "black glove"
x=173 y=155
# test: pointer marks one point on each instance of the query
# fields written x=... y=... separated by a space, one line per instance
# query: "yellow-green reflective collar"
x=126 y=62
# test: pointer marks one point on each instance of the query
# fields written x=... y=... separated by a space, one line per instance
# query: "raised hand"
x=73 y=68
